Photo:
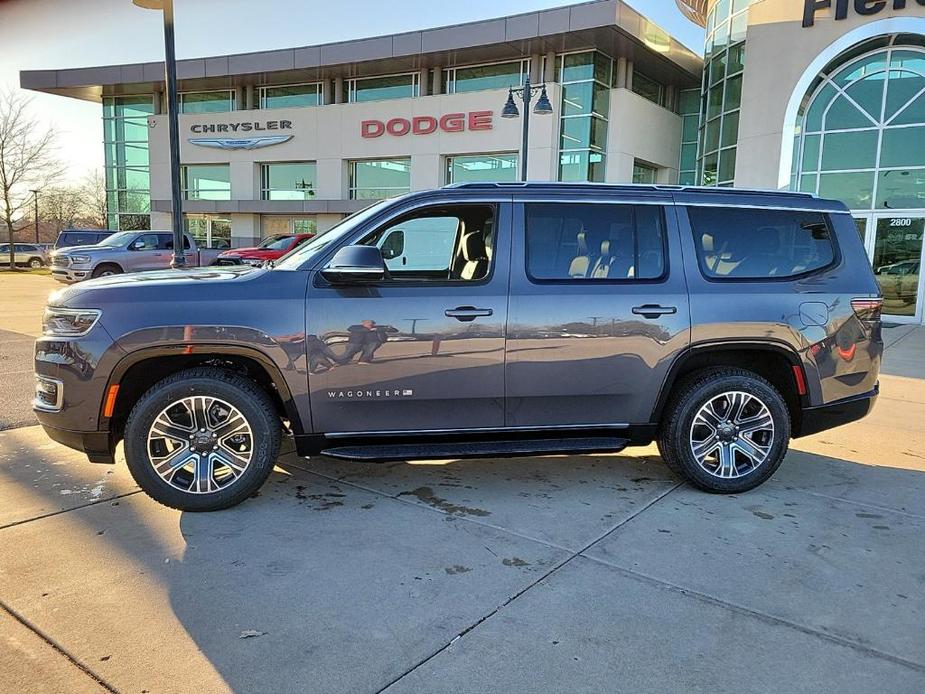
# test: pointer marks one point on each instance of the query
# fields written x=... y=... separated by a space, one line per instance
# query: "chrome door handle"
x=467 y=313
x=653 y=310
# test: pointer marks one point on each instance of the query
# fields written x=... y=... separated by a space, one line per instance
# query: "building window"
x=861 y=132
x=494 y=76
x=277 y=225
x=290 y=96
x=648 y=88
x=586 y=79
x=380 y=178
x=206 y=182
x=644 y=173
x=381 y=88
x=290 y=181
x=721 y=92
x=218 y=101
x=125 y=150
x=690 y=120
x=208 y=230
x=481 y=168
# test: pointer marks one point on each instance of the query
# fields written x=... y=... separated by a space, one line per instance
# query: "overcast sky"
x=45 y=34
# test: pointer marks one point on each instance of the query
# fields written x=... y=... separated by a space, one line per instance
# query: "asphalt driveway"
x=551 y=574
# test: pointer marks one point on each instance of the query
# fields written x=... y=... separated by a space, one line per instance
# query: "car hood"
x=82 y=249
x=196 y=279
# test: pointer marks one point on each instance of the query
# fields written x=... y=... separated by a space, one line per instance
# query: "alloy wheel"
x=732 y=434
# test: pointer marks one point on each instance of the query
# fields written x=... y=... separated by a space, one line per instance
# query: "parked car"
x=124 y=251
x=271 y=248
x=480 y=320
x=24 y=254
x=81 y=237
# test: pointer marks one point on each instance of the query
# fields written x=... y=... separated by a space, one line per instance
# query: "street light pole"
x=173 y=127
x=35 y=198
x=510 y=110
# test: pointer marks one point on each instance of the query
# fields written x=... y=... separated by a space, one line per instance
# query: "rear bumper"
x=96 y=445
x=834 y=414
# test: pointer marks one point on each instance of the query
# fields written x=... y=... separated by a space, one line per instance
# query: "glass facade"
x=289 y=181
x=293 y=95
x=721 y=93
x=381 y=178
x=125 y=149
x=644 y=173
x=481 y=167
x=861 y=131
x=689 y=108
x=648 y=88
x=218 y=101
x=381 y=88
x=274 y=225
x=206 y=182
x=494 y=76
x=585 y=79
x=209 y=231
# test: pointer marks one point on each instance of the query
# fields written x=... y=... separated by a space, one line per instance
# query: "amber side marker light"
x=110 y=405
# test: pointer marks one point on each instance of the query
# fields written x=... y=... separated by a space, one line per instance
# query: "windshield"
x=279 y=242
x=297 y=257
x=118 y=239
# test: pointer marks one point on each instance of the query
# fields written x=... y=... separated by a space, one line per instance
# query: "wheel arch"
x=141 y=369
x=775 y=362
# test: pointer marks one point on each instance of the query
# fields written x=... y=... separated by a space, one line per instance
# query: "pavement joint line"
x=539 y=580
x=757 y=614
x=898 y=340
x=55 y=646
x=68 y=510
x=864 y=504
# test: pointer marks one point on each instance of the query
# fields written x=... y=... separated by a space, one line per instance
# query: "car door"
x=144 y=253
x=598 y=310
x=422 y=350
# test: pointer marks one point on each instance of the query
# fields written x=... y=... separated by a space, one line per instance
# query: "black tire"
x=107 y=269
x=247 y=397
x=36 y=263
x=675 y=436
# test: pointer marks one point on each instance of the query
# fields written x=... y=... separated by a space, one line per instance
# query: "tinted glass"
x=291 y=96
x=379 y=88
x=760 y=243
x=499 y=76
x=595 y=242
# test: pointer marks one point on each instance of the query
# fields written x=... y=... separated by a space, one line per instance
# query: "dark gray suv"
x=480 y=320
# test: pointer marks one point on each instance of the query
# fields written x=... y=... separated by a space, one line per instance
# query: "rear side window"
x=741 y=243
x=595 y=242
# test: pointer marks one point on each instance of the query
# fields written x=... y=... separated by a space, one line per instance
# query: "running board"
x=476 y=449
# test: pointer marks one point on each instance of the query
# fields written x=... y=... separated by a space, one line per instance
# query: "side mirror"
x=138 y=245
x=355 y=265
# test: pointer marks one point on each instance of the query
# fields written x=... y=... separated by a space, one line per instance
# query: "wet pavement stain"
x=515 y=561
x=457 y=569
x=426 y=494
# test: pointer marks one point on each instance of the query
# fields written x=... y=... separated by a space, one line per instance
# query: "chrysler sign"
x=248 y=141
x=425 y=125
x=862 y=7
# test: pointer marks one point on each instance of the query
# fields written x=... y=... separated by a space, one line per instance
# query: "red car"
x=271 y=248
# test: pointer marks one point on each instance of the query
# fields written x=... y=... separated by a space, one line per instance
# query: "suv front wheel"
x=203 y=439
x=726 y=430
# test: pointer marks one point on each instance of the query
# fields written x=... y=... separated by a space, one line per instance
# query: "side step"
x=476 y=449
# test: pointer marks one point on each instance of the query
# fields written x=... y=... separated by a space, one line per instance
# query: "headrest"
x=473 y=247
x=605 y=247
x=461 y=228
x=582 y=243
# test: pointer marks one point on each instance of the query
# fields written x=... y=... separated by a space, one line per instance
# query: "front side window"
x=373 y=179
x=206 y=182
x=480 y=168
x=218 y=101
x=145 y=242
x=290 y=96
x=295 y=181
x=381 y=88
x=438 y=244
x=478 y=77
x=593 y=242
x=740 y=243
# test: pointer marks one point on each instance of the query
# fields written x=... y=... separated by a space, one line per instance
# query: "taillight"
x=867 y=310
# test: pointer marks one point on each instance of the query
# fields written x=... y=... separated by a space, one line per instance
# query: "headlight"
x=69 y=322
x=78 y=259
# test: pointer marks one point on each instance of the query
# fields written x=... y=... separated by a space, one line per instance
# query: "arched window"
x=861 y=130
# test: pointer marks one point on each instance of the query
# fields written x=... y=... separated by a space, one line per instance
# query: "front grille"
x=60 y=261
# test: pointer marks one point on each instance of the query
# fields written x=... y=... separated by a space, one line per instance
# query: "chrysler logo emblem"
x=239 y=142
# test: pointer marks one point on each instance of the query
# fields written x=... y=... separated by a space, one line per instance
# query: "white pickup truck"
x=125 y=251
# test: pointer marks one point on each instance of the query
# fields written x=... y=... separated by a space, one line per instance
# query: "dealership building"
x=826 y=96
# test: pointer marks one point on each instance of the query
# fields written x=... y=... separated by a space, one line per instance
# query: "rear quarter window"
x=760 y=244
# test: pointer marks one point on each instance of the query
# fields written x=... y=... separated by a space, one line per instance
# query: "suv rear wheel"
x=203 y=439
x=726 y=430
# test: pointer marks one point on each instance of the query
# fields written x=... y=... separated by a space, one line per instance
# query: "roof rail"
x=631 y=186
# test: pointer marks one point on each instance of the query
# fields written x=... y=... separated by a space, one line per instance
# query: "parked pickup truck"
x=124 y=251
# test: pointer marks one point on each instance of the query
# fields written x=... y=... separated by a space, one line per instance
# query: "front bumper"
x=96 y=445
x=70 y=275
x=834 y=414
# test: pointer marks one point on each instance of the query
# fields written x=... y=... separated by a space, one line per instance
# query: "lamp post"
x=510 y=110
x=35 y=199
x=173 y=128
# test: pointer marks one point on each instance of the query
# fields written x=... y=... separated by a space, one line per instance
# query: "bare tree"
x=93 y=197
x=27 y=159
x=63 y=207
